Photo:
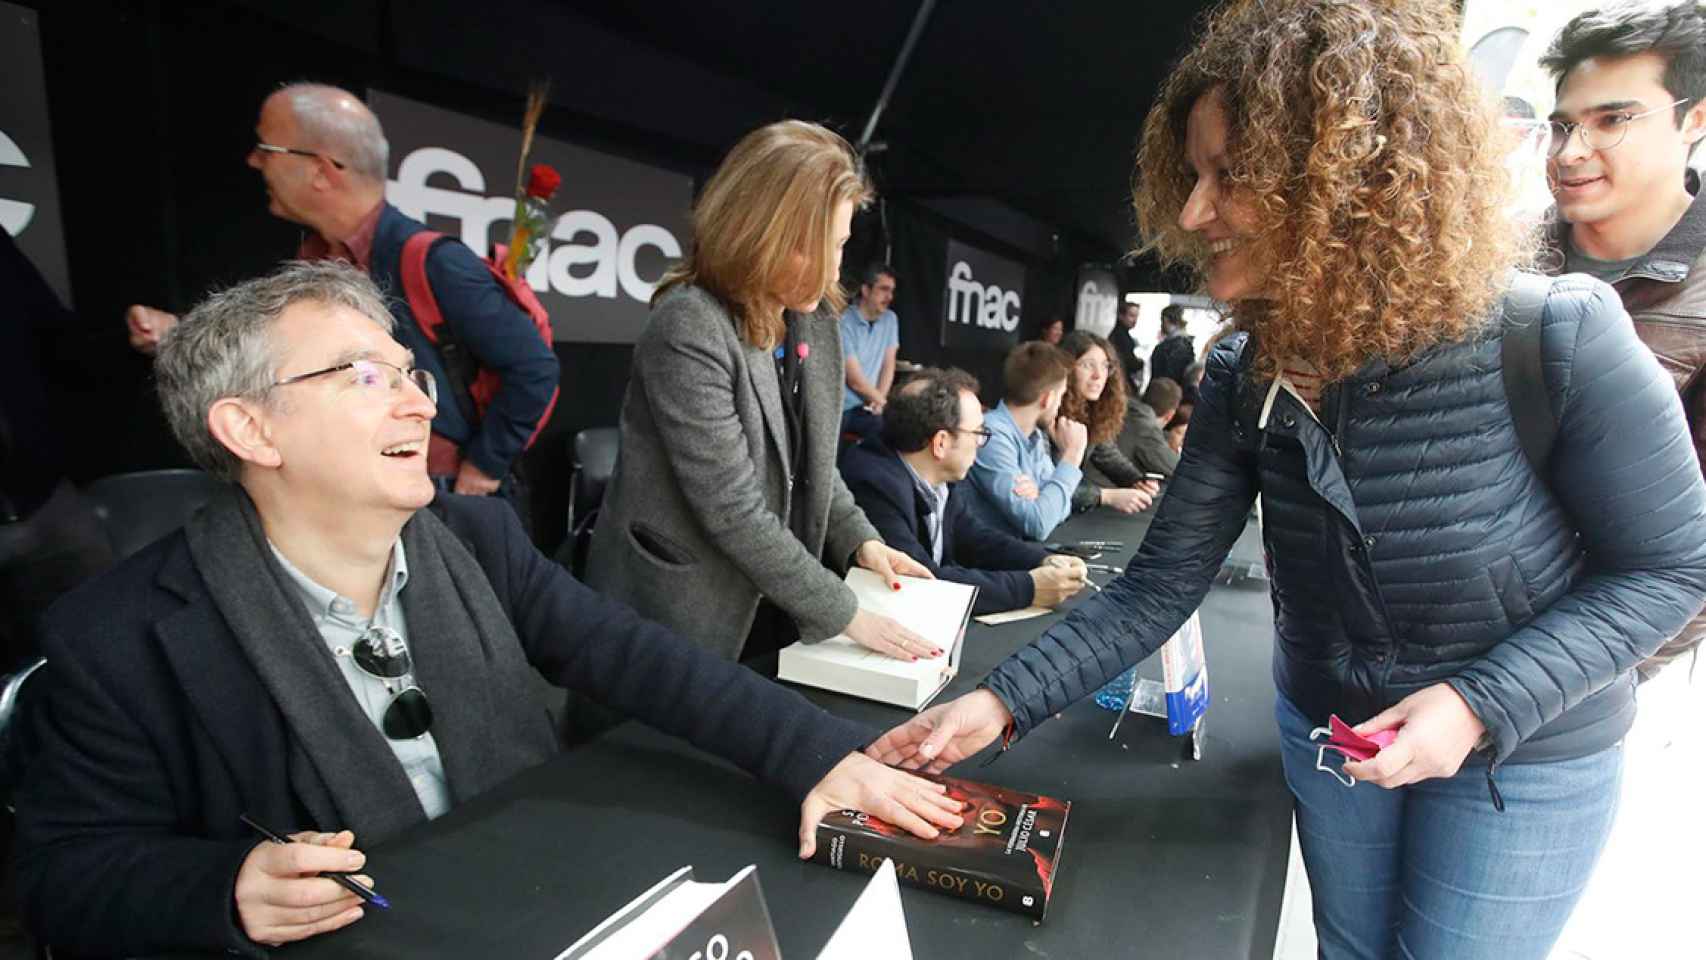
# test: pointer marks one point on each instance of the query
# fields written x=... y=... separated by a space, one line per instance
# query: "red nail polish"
x=895 y=584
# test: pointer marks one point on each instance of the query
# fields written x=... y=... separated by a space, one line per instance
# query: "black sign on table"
x=1164 y=856
x=981 y=299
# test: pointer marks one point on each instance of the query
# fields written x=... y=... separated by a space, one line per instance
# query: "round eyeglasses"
x=1602 y=131
x=373 y=376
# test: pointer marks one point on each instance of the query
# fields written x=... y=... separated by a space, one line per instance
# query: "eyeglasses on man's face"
x=292 y=151
x=982 y=433
x=1602 y=131
x=374 y=377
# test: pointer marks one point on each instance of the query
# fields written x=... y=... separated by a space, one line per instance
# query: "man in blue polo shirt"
x=870 y=339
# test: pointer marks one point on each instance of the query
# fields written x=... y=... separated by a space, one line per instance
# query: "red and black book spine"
x=1004 y=855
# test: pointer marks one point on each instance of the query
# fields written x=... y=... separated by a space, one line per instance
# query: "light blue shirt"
x=939 y=493
x=866 y=341
x=340 y=626
x=999 y=463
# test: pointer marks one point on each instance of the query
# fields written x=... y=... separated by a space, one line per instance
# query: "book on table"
x=1006 y=854
x=936 y=610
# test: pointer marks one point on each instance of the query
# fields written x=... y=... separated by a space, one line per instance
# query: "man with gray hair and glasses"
x=322 y=157
x=334 y=650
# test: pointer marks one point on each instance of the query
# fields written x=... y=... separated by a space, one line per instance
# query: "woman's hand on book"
x=944 y=735
x=878 y=633
x=859 y=783
x=887 y=562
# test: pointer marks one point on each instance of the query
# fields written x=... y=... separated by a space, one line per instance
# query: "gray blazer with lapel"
x=694 y=526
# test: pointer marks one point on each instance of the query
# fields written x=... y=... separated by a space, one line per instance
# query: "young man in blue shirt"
x=1019 y=484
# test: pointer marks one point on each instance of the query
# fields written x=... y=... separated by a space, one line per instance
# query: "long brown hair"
x=1104 y=418
x=1373 y=161
x=772 y=199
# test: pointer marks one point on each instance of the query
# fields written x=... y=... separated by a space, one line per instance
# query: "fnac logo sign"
x=586 y=255
x=982 y=299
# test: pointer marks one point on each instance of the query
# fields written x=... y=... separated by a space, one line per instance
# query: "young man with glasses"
x=322 y=157
x=1630 y=86
x=906 y=481
x=317 y=651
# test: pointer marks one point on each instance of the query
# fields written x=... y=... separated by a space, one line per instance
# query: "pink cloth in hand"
x=1355 y=746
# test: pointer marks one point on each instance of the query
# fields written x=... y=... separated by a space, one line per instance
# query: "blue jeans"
x=1432 y=871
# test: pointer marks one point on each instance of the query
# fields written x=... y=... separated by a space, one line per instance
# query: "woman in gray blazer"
x=726 y=519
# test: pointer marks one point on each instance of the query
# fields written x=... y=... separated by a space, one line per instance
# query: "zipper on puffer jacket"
x=1493 y=788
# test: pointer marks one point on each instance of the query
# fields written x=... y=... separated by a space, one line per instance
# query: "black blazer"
x=974 y=552
x=156 y=733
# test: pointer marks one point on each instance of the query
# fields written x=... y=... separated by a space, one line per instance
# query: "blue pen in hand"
x=344 y=880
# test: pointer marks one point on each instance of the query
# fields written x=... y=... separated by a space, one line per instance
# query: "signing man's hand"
x=918 y=806
x=944 y=735
x=279 y=896
x=1054 y=585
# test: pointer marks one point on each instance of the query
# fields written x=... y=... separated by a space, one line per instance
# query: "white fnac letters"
x=586 y=256
x=1096 y=310
x=976 y=304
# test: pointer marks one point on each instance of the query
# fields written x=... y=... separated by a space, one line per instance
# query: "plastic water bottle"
x=1117 y=692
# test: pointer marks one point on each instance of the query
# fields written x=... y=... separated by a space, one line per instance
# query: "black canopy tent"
x=1012 y=128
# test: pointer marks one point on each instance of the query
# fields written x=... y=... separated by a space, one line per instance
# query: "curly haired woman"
x=1095 y=397
x=1330 y=169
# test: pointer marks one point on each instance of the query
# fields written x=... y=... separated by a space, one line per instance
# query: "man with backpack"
x=322 y=155
x=1631 y=105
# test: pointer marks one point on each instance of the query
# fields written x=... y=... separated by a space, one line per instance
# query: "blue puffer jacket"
x=1410 y=542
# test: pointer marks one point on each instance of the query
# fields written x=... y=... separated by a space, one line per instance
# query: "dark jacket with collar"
x=973 y=552
x=156 y=732
x=1664 y=291
x=1411 y=544
x=489 y=325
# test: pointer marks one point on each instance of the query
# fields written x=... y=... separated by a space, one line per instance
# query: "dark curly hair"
x=1103 y=418
x=925 y=406
x=1373 y=162
x=1676 y=33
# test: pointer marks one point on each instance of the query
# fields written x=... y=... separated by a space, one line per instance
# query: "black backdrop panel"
x=29 y=193
x=982 y=299
x=622 y=223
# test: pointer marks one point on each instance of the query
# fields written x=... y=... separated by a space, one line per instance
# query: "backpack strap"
x=1524 y=374
x=423 y=303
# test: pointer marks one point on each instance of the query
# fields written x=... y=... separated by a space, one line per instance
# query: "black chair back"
x=595 y=451
x=137 y=509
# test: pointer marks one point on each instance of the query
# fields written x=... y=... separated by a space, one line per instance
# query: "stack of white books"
x=934 y=609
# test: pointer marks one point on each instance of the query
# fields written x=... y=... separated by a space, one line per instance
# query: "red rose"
x=543 y=181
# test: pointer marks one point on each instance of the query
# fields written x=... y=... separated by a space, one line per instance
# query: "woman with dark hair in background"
x=725 y=519
x=1334 y=172
x=1095 y=397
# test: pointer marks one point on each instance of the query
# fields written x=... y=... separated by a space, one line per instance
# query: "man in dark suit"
x=318 y=651
x=904 y=482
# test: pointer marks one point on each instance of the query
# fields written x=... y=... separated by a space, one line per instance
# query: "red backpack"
x=469 y=382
